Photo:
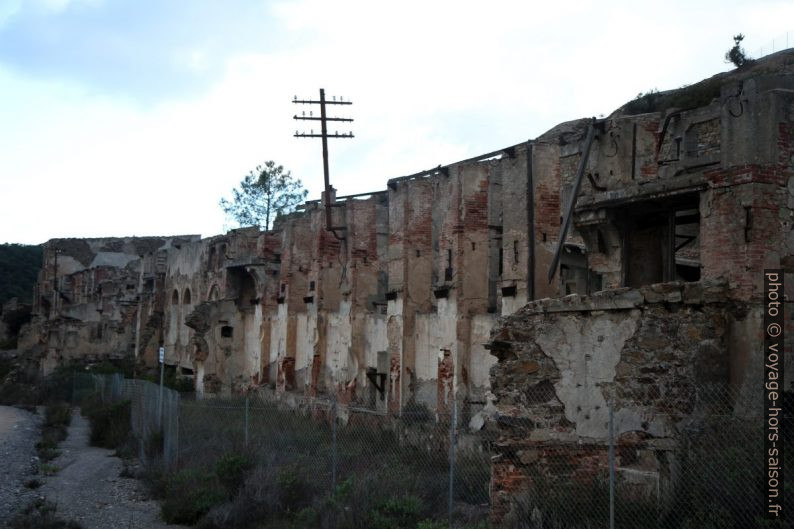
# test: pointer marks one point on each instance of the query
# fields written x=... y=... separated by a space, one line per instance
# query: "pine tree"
x=264 y=193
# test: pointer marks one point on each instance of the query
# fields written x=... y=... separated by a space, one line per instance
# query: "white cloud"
x=432 y=82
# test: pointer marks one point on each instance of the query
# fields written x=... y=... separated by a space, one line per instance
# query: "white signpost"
x=160 y=398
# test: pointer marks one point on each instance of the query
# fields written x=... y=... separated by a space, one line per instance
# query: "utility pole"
x=324 y=119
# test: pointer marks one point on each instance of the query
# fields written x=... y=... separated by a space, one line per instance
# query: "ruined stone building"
x=681 y=200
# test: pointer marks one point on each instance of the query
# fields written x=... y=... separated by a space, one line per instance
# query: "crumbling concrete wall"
x=562 y=362
x=689 y=206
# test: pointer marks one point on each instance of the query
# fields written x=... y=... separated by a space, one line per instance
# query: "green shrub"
x=190 y=494
x=153 y=446
x=58 y=414
x=231 y=470
x=57 y=417
x=294 y=488
x=40 y=515
x=434 y=524
x=394 y=513
x=110 y=423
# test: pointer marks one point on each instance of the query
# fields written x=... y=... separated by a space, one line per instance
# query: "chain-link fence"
x=689 y=463
x=698 y=463
x=341 y=466
x=154 y=410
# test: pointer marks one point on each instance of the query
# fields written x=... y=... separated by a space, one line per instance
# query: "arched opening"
x=175 y=297
x=214 y=294
x=186 y=297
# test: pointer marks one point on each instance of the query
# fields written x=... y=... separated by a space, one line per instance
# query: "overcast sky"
x=134 y=117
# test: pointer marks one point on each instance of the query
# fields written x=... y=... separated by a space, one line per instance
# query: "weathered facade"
x=681 y=212
x=657 y=289
x=397 y=310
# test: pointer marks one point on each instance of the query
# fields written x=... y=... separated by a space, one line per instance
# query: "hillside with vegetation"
x=19 y=267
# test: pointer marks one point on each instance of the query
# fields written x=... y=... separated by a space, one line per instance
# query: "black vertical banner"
x=773 y=394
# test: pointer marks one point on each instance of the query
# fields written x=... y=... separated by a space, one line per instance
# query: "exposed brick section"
x=547 y=212
x=475 y=210
x=446 y=374
x=742 y=224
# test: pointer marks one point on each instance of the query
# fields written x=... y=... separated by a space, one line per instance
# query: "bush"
x=58 y=414
x=397 y=513
x=57 y=417
x=190 y=494
x=40 y=515
x=294 y=489
x=110 y=423
x=231 y=470
x=21 y=384
x=736 y=54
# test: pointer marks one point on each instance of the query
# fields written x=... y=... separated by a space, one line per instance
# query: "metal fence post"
x=160 y=399
x=452 y=428
x=245 y=422
x=176 y=430
x=333 y=445
x=611 y=467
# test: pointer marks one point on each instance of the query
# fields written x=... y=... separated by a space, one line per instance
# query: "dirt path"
x=18 y=434
x=88 y=489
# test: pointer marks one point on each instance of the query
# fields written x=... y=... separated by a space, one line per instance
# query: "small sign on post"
x=160 y=396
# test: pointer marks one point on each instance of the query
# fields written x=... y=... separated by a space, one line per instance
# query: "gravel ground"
x=88 y=488
x=19 y=431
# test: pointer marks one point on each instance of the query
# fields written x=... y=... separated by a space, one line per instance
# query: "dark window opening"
x=227 y=331
x=515 y=252
x=602 y=244
x=311 y=286
x=213 y=259
x=186 y=297
x=509 y=292
x=175 y=298
x=441 y=293
x=241 y=285
x=662 y=242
